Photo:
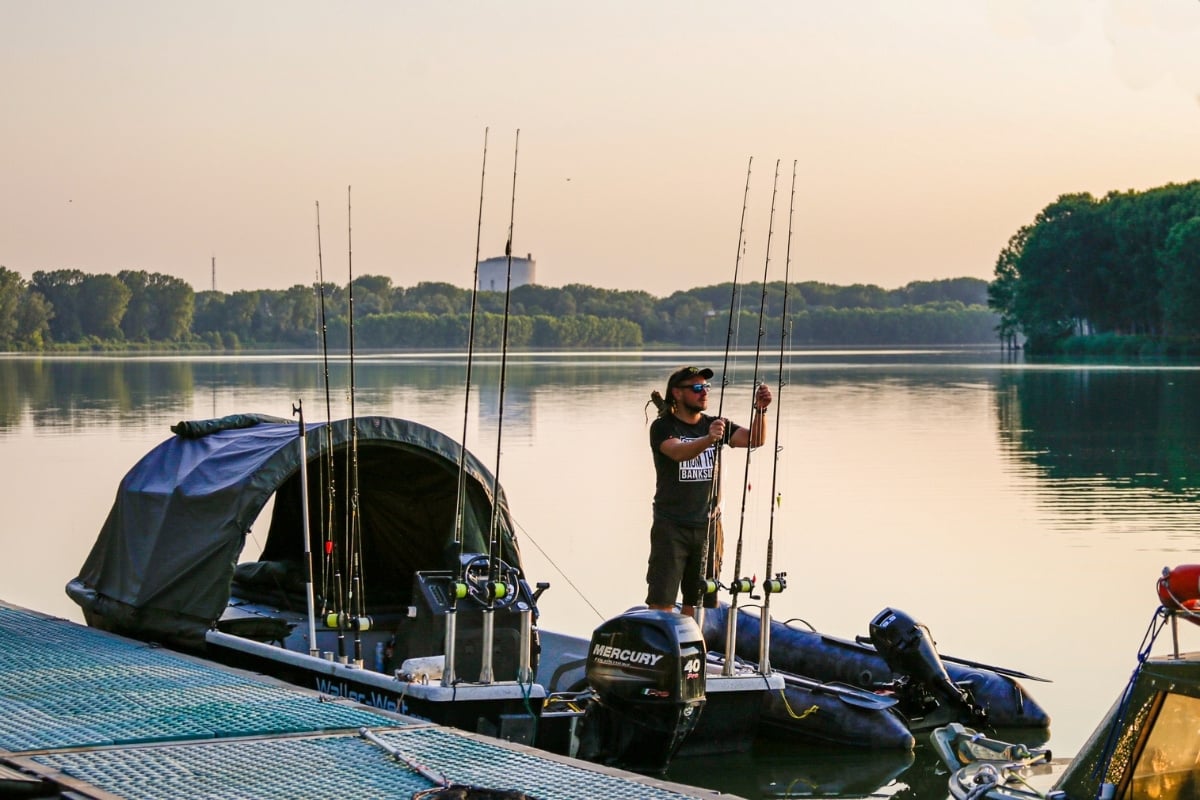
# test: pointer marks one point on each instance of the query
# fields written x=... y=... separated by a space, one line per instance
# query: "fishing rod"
x=326 y=466
x=740 y=584
x=354 y=604
x=774 y=585
x=459 y=589
x=496 y=588
x=302 y=442
x=711 y=567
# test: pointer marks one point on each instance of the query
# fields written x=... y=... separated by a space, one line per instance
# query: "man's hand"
x=762 y=397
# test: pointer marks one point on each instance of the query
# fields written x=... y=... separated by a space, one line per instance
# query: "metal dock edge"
x=100 y=716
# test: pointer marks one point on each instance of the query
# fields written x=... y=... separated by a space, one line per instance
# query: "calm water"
x=1021 y=511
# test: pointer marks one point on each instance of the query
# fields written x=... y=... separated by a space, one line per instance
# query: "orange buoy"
x=1179 y=590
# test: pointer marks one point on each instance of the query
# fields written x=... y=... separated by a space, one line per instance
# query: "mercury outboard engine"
x=646 y=669
x=908 y=648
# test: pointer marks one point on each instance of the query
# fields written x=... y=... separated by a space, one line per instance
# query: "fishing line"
x=737 y=262
x=354 y=528
x=712 y=569
x=493 y=556
x=740 y=584
x=325 y=465
x=485 y=675
x=306 y=529
x=460 y=498
x=449 y=647
x=559 y=570
x=776 y=583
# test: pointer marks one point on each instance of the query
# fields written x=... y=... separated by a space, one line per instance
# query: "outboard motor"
x=908 y=648
x=646 y=669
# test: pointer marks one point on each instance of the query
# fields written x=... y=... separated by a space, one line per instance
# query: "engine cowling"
x=908 y=648
x=646 y=669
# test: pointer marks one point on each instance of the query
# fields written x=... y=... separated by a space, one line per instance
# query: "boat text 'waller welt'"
x=428 y=611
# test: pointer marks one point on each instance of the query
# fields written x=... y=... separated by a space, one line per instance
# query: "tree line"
x=1123 y=270
x=71 y=309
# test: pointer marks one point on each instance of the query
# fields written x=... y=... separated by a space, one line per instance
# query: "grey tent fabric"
x=196 y=428
x=162 y=566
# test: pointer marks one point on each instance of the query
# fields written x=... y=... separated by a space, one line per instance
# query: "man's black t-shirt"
x=683 y=488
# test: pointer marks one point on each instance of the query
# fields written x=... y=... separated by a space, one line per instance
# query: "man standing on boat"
x=686 y=534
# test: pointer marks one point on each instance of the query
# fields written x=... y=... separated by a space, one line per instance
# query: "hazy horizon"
x=156 y=136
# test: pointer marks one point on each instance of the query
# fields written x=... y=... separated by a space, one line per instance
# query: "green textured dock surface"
x=110 y=717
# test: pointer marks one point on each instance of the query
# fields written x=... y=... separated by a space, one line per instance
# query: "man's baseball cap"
x=685 y=375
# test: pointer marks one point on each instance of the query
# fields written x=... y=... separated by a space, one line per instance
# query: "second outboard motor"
x=646 y=669
x=908 y=648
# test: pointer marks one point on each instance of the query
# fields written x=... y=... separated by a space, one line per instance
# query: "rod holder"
x=525 y=668
x=489 y=634
x=448 y=676
x=764 y=638
x=730 y=638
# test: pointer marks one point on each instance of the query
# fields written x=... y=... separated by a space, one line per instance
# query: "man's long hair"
x=665 y=405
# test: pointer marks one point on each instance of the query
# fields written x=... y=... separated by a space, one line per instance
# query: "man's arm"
x=756 y=434
x=679 y=450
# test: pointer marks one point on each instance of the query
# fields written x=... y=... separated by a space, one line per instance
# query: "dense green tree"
x=1181 y=279
x=61 y=289
x=532 y=299
x=439 y=298
x=160 y=307
x=298 y=315
x=1107 y=267
x=103 y=302
x=1055 y=277
x=12 y=287
x=968 y=291
x=33 y=320
x=372 y=295
x=209 y=315
x=241 y=310
x=139 y=306
x=1002 y=292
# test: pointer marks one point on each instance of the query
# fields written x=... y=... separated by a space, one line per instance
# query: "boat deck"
x=100 y=716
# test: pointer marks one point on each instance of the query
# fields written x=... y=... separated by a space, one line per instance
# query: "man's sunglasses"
x=699 y=387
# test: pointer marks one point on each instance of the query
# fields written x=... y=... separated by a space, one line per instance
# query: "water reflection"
x=932 y=477
x=76 y=392
x=1087 y=428
x=1130 y=428
x=785 y=768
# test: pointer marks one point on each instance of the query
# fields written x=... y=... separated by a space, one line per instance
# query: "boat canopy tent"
x=1160 y=706
x=164 y=562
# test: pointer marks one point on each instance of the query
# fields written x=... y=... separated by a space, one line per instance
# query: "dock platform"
x=86 y=714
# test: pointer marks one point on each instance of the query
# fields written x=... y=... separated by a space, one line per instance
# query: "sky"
x=160 y=135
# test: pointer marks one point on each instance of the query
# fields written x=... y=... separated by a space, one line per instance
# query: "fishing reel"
x=736 y=586
x=775 y=585
x=492 y=584
x=348 y=622
x=744 y=586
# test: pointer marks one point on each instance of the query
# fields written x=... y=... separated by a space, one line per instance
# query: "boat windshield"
x=1168 y=767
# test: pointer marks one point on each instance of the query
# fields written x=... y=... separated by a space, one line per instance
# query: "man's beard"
x=693 y=406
